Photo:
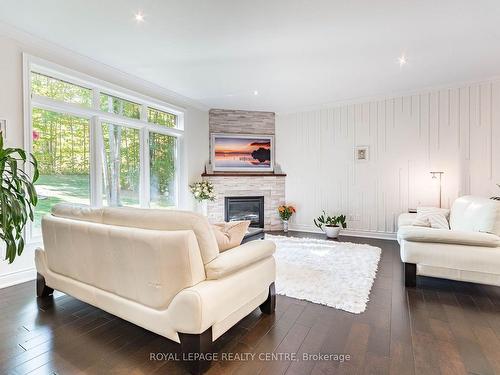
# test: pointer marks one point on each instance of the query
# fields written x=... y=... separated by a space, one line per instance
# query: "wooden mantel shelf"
x=242 y=174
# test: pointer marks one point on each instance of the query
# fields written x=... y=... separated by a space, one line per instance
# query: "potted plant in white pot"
x=331 y=225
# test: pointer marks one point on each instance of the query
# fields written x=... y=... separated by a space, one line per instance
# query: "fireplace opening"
x=245 y=208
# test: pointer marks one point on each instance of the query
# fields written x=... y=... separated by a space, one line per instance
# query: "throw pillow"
x=229 y=235
x=439 y=221
x=439 y=217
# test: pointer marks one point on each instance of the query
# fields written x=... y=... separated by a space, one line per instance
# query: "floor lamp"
x=440 y=176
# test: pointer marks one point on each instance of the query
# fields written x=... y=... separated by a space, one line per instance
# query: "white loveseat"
x=469 y=251
x=159 y=269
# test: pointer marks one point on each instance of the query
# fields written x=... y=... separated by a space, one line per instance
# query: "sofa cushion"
x=482 y=259
x=77 y=212
x=146 y=218
x=430 y=235
x=161 y=219
x=476 y=214
x=229 y=235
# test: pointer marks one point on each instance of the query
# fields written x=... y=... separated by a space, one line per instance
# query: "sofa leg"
x=196 y=351
x=42 y=290
x=269 y=304
x=410 y=274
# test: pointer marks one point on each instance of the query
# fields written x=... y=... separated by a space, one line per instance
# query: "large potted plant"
x=331 y=225
x=17 y=198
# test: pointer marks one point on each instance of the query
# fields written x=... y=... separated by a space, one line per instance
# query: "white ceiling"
x=296 y=53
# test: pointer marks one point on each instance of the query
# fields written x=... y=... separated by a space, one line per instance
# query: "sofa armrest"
x=239 y=257
x=455 y=237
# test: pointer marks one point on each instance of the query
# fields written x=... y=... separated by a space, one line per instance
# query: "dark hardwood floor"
x=439 y=327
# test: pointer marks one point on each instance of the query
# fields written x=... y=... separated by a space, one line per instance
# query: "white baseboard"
x=347 y=232
x=17 y=277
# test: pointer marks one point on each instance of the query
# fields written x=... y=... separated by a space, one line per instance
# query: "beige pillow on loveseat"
x=230 y=234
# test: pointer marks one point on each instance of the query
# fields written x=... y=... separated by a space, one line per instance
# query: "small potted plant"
x=203 y=192
x=331 y=225
x=285 y=213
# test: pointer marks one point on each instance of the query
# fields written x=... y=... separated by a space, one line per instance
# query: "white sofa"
x=469 y=251
x=159 y=269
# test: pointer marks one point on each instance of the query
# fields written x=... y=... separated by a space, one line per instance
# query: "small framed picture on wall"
x=361 y=153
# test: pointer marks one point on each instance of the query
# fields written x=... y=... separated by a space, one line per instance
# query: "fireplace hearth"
x=245 y=208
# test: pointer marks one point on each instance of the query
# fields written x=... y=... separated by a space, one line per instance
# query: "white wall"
x=11 y=109
x=454 y=130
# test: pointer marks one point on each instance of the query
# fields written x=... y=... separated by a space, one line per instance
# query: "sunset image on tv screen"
x=242 y=152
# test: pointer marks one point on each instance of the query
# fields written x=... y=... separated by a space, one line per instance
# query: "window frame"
x=96 y=118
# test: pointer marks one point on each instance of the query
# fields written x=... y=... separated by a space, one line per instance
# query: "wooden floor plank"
x=471 y=353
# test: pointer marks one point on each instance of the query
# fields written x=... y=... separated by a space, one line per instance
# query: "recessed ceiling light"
x=402 y=60
x=139 y=17
x=256 y=92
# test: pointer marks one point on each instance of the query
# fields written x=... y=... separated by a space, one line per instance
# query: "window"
x=162 y=169
x=60 y=90
x=121 y=107
x=61 y=146
x=121 y=167
x=158 y=117
x=98 y=145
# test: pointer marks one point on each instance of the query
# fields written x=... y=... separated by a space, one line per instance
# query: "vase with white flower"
x=203 y=192
x=285 y=213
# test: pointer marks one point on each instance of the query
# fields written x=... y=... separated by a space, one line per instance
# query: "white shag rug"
x=336 y=274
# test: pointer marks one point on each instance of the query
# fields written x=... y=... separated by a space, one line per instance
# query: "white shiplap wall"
x=454 y=130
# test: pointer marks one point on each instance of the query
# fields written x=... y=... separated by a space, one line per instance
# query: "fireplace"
x=271 y=187
x=245 y=208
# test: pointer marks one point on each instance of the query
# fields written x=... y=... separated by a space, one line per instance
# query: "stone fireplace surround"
x=271 y=186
